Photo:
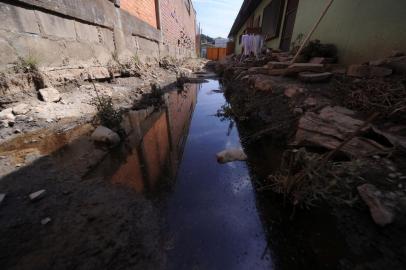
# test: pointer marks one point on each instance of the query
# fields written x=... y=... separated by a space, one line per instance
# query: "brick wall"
x=178 y=25
x=143 y=9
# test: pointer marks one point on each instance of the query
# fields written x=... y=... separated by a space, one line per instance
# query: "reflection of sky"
x=216 y=16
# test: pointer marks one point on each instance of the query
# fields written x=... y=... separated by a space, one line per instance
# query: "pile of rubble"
x=329 y=105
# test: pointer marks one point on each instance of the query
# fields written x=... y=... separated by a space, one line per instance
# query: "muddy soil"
x=341 y=236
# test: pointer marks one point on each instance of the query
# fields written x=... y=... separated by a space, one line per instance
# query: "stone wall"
x=66 y=33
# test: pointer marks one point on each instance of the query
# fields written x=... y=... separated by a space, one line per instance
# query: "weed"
x=107 y=115
x=26 y=65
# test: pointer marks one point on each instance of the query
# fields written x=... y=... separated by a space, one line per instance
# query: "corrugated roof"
x=247 y=8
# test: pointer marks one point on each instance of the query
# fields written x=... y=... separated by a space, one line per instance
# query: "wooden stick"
x=312 y=31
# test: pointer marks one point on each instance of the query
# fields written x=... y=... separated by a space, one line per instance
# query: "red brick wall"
x=177 y=25
x=142 y=9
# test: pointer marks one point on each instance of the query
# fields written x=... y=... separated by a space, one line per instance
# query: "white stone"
x=105 y=135
x=7 y=114
x=21 y=109
x=46 y=220
x=50 y=94
x=231 y=155
x=38 y=195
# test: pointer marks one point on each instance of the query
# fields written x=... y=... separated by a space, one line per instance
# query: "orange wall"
x=143 y=9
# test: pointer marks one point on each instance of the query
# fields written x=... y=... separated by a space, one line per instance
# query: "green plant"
x=26 y=65
x=106 y=114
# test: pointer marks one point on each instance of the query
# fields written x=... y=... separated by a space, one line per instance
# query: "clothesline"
x=252 y=44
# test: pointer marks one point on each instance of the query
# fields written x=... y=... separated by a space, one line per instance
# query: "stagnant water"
x=214 y=218
x=211 y=213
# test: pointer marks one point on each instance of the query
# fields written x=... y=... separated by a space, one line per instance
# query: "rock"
x=231 y=155
x=50 y=94
x=314 y=77
x=303 y=67
x=38 y=195
x=17 y=131
x=2 y=197
x=21 y=109
x=381 y=214
x=278 y=65
x=396 y=53
x=331 y=127
x=7 y=115
x=263 y=83
x=365 y=71
x=298 y=111
x=105 y=135
x=392 y=175
x=310 y=102
x=258 y=70
x=292 y=91
x=46 y=220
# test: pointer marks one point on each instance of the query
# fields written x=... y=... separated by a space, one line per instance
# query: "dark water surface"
x=211 y=214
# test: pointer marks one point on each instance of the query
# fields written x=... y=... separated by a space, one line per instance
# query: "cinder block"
x=18 y=19
x=56 y=26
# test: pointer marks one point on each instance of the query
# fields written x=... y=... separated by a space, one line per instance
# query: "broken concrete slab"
x=381 y=214
x=331 y=127
x=322 y=60
x=38 y=195
x=105 y=135
x=312 y=77
x=21 y=109
x=231 y=155
x=50 y=94
x=303 y=67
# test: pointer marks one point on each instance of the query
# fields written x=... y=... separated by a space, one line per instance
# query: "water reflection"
x=154 y=147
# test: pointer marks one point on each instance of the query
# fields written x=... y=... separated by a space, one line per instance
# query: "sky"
x=216 y=16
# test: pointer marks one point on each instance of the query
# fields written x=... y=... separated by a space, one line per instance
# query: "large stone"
x=21 y=109
x=54 y=25
x=105 y=135
x=303 y=67
x=7 y=115
x=293 y=90
x=314 y=77
x=381 y=214
x=38 y=195
x=50 y=94
x=231 y=155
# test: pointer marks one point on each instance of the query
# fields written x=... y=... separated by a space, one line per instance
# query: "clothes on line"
x=252 y=44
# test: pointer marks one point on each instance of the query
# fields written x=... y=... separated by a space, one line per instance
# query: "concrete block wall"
x=66 y=33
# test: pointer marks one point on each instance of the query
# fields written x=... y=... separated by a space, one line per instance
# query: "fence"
x=216 y=54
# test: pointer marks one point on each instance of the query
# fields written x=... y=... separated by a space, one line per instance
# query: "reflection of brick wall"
x=178 y=24
x=142 y=9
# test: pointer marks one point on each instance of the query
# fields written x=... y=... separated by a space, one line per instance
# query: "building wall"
x=143 y=9
x=77 y=33
x=178 y=25
x=361 y=30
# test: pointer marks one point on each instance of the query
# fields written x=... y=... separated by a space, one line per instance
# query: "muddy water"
x=211 y=213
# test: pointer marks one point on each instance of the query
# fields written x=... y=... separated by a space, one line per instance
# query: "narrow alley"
x=201 y=134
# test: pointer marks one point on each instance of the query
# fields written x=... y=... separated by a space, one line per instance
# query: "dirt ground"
x=80 y=222
x=268 y=121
